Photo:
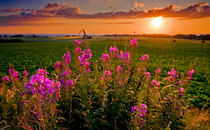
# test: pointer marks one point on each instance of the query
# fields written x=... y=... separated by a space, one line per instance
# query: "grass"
x=35 y=53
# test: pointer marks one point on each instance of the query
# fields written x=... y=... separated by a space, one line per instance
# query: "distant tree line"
x=191 y=36
x=10 y=40
x=180 y=36
x=19 y=36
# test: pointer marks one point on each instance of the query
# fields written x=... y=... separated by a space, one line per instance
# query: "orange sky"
x=177 y=17
x=108 y=26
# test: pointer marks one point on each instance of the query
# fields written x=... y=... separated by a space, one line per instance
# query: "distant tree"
x=18 y=35
x=203 y=41
x=34 y=36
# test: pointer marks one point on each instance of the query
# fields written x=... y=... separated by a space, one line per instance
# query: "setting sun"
x=156 y=22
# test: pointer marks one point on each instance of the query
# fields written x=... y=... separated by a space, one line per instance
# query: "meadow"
x=44 y=52
x=165 y=53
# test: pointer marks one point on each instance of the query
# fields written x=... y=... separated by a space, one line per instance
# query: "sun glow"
x=156 y=22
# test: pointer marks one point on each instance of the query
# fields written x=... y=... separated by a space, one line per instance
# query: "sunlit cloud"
x=57 y=10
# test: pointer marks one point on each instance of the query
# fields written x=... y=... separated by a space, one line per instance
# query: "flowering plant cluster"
x=134 y=42
x=84 y=59
x=144 y=58
x=43 y=95
x=41 y=85
x=106 y=75
x=114 y=51
x=85 y=95
x=105 y=57
x=138 y=115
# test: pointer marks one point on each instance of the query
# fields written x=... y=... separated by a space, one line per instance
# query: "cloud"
x=138 y=5
x=195 y=11
x=69 y=11
x=52 y=6
x=52 y=10
x=167 y=11
x=12 y=10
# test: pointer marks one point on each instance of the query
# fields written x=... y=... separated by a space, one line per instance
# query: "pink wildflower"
x=125 y=57
x=77 y=42
x=25 y=73
x=86 y=55
x=158 y=70
x=190 y=74
x=173 y=74
x=67 y=57
x=144 y=57
x=5 y=79
x=106 y=75
x=181 y=89
x=154 y=82
x=179 y=82
x=69 y=83
x=133 y=42
x=148 y=75
x=119 y=69
x=84 y=59
x=105 y=57
x=113 y=51
x=13 y=73
x=78 y=50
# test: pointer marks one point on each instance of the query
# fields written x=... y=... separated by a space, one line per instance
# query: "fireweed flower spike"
x=77 y=42
x=139 y=114
x=86 y=55
x=158 y=70
x=69 y=83
x=125 y=57
x=84 y=59
x=133 y=42
x=45 y=95
x=41 y=84
x=13 y=73
x=67 y=58
x=145 y=58
x=173 y=75
x=119 y=69
x=148 y=75
x=113 y=51
x=105 y=57
x=78 y=50
x=106 y=75
x=25 y=73
x=64 y=76
x=190 y=74
x=154 y=82
x=5 y=79
x=180 y=83
x=181 y=90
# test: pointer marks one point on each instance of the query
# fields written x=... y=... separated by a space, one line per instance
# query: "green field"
x=35 y=53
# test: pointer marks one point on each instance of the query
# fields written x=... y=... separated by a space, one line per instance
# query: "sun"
x=156 y=22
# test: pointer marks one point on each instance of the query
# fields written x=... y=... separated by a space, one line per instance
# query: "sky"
x=105 y=16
